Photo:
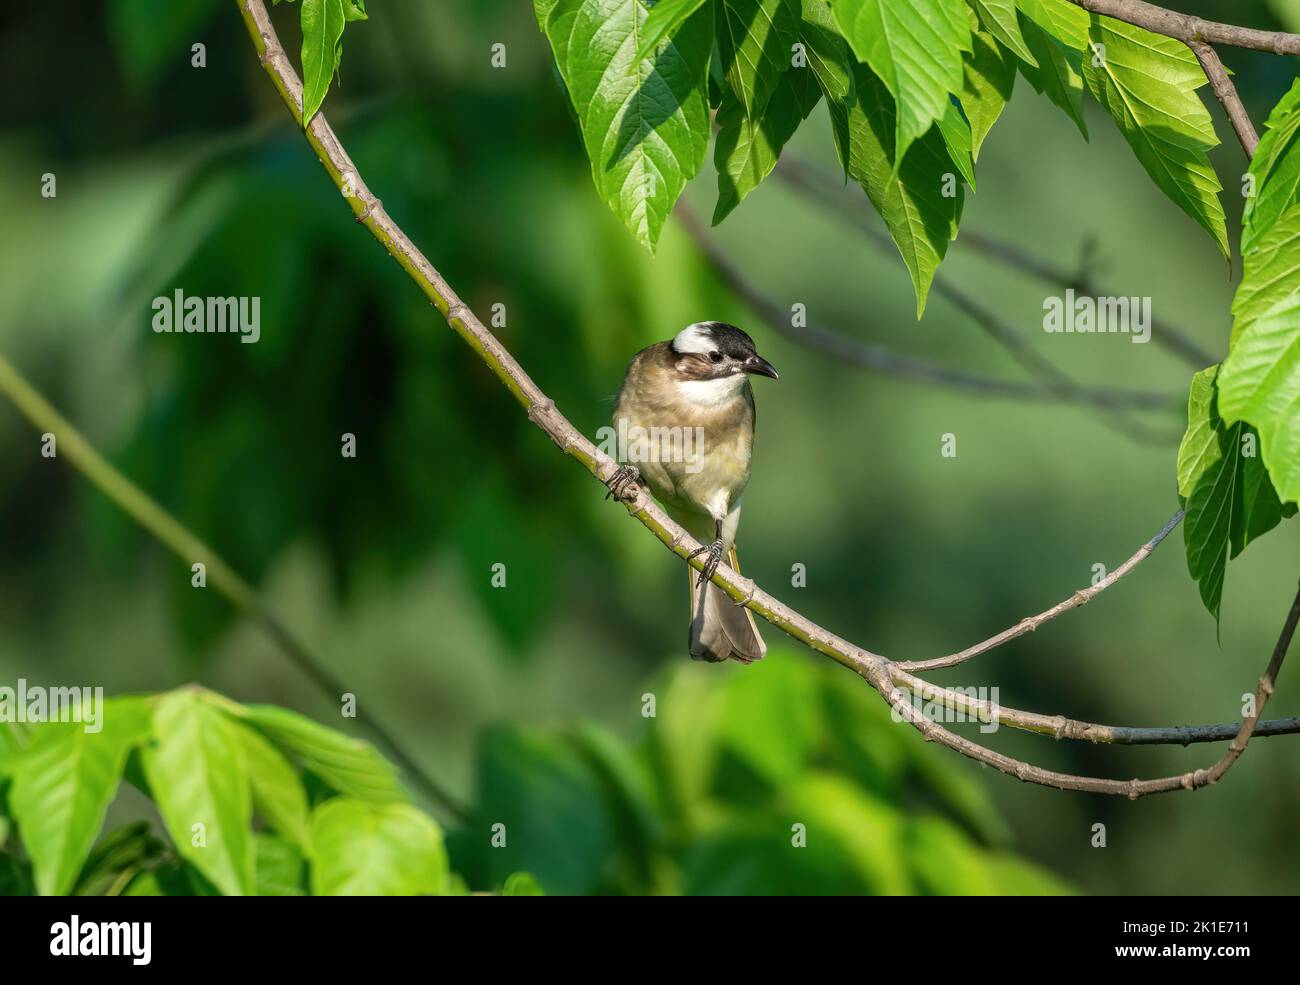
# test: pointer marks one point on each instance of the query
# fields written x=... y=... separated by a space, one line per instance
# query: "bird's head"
x=714 y=350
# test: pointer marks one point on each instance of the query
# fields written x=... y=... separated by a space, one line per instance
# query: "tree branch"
x=1082 y=597
x=1187 y=28
x=541 y=410
x=1227 y=95
x=1059 y=727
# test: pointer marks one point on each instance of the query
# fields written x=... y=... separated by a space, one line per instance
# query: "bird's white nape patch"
x=711 y=393
x=694 y=338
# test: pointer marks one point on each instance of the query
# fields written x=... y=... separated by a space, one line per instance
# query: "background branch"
x=829 y=192
x=173 y=535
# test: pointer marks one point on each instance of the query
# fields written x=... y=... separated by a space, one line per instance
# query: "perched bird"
x=685 y=417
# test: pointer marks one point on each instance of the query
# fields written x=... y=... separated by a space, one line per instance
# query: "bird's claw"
x=714 y=552
x=627 y=477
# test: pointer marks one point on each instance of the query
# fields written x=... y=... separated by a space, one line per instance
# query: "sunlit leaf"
x=365 y=849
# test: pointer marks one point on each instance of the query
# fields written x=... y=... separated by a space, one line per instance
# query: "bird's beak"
x=758 y=365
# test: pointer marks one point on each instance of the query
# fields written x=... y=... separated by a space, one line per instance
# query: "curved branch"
x=541 y=410
x=1082 y=597
x=1187 y=28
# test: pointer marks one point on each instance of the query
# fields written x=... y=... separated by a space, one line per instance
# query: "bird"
x=685 y=420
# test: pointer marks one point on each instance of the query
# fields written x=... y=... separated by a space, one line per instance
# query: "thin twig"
x=173 y=535
x=1227 y=95
x=541 y=410
x=1082 y=597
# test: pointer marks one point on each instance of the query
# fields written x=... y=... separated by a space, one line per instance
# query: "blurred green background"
x=527 y=701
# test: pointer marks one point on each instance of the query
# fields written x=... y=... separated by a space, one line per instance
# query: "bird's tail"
x=720 y=628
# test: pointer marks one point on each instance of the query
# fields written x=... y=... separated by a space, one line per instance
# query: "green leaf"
x=1064 y=21
x=644 y=121
x=664 y=19
x=828 y=52
x=365 y=849
x=117 y=859
x=63 y=783
x=755 y=38
x=280 y=867
x=1275 y=169
x=350 y=766
x=1260 y=384
x=1270 y=272
x=1147 y=82
x=278 y=794
x=1058 y=74
x=197 y=773
x=999 y=19
x=322 y=36
x=956 y=133
x=919 y=216
x=522 y=884
x=1229 y=502
x=354 y=10
x=914 y=47
x=747 y=149
x=989 y=73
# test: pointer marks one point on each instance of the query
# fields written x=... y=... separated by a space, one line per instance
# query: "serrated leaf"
x=1270 y=272
x=664 y=18
x=644 y=121
x=351 y=766
x=278 y=794
x=1260 y=384
x=1148 y=82
x=920 y=218
x=1064 y=21
x=755 y=38
x=999 y=19
x=322 y=33
x=989 y=74
x=63 y=783
x=956 y=134
x=914 y=47
x=746 y=150
x=363 y=849
x=1058 y=74
x=1228 y=500
x=828 y=52
x=197 y=773
x=1275 y=168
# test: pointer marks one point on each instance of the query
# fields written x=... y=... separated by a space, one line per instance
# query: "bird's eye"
x=715 y=356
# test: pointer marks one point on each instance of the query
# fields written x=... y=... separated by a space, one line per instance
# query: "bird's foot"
x=713 y=558
x=623 y=483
